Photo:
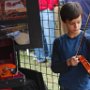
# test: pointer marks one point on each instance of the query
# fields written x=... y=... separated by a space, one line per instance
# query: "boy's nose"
x=76 y=25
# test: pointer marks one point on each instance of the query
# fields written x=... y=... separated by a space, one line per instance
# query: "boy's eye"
x=72 y=23
x=75 y=23
x=78 y=22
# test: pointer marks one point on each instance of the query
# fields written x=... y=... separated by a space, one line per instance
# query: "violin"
x=81 y=58
x=85 y=63
x=7 y=70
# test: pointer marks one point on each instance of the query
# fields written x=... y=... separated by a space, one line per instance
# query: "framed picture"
x=12 y=10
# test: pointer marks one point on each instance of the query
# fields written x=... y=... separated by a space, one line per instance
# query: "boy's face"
x=74 y=25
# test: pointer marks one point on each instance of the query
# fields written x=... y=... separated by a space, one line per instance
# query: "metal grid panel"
x=28 y=59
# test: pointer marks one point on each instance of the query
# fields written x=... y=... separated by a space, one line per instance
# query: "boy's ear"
x=63 y=23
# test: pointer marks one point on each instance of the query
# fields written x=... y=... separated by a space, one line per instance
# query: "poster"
x=12 y=10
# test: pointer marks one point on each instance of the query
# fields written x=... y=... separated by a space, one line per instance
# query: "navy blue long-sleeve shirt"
x=75 y=77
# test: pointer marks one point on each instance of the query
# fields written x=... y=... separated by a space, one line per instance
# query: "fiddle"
x=85 y=63
x=81 y=58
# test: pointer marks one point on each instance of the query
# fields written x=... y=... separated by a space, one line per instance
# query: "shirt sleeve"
x=57 y=65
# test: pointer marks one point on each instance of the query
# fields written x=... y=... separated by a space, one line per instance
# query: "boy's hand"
x=73 y=61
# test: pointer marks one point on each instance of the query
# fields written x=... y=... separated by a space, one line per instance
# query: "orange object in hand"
x=85 y=63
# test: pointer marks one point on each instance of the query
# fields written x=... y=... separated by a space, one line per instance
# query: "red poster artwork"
x=12 y=9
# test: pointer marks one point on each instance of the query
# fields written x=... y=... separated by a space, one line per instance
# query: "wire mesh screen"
x=39 y=59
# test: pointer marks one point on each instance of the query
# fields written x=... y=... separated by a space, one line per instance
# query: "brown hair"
x=70 y=10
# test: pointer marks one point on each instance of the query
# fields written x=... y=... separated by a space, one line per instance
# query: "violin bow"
x=83 y=34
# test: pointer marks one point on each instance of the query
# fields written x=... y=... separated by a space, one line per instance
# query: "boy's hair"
x=70 y=10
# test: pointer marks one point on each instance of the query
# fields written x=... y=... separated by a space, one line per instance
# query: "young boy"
x=65 y=59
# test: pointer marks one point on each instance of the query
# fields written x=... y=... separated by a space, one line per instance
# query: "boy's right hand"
x=73 y=61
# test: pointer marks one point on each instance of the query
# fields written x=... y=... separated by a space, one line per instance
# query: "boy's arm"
x=57 y=65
